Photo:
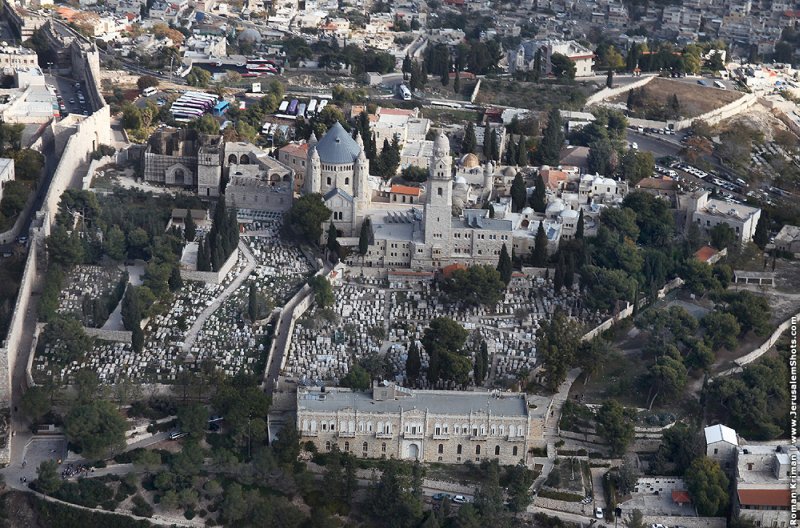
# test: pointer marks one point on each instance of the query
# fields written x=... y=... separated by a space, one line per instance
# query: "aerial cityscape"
x=413 y=264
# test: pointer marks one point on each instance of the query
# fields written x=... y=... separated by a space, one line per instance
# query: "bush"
x=189 y=514
x=141 y=507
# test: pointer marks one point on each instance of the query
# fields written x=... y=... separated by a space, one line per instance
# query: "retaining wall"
x=608 y=93
x=92 y=172
x=124 y=336
x=761 y=350
x=475 y=91
x=608 y=323
x=214 y=277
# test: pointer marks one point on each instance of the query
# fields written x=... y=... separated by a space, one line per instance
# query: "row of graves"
x=227 y=338
x=91 y=293
x=326 y=343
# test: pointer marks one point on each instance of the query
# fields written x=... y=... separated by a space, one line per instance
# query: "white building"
x=763 y=492
x=524 y=58
x=431 y=426
x=721 y=444
x=708 y=212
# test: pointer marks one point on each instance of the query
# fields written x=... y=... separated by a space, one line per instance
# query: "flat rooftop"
x=438 y=402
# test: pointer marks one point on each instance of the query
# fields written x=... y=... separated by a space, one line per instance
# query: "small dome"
x=509 y=171
x=441 y=144
x=527 y=211
x=470 y=161
x=555 y=207
x=249 y=35
x=461 y=180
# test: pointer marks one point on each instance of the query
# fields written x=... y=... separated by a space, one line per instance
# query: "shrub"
x=141 y=507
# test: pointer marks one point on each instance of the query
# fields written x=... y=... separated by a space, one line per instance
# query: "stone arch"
x=179 y=174
x=244 y=159
x=413 y=451
x=232 y=159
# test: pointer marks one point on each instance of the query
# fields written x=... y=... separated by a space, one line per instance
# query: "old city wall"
x=608 y=93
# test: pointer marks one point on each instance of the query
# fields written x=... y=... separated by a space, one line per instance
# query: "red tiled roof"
x=765 y=497
x=294 y=149
x=406 y=189
x=447 y=271
x=705 y=253
x=396 y=111
x=681 y=497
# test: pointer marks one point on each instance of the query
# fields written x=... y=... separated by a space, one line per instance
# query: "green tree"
x=304 y=220
x=476 y=285
x=413 y=361
x=364 y=236
x=722 y=236
x=469 y=142
x=504 y=266
x=562 y=66
x=49 y=481
x=519 y=193
x=610 y=78
x=557 y=341
x=198 y=77
x=635 y=519
x=357 y=378
x=444 y=341
x=148 y=460
x=95 y=427
x=579 y=227
x=722 y=330
x=539 y=255
x=553 y=139
x=481 y=368
x=667 y=376
x=252 y=302
x=522 y=152
x=615 y=426
x=708 y=487
x=331 y=244
x=323 y=293
x=146 y=81
x=189 y=227
x=193 y=419
x=457 y=83
x=761 y=235
x=539 y=196
x=67 y=331
x=605 y=288
x=115 y=243
x=35 y=403
x=593 y=356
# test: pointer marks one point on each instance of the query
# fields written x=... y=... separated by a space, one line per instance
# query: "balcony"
x=441 y=437
x=384 y=435
x=309 y=433
x=347 y=434
x=515 y=438
x=413 y=436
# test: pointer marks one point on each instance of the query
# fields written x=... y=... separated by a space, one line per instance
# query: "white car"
x=460 y=499
x=598 y=512
x=635 y=146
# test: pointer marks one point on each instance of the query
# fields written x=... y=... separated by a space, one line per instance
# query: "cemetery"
x=91 y=293
x=370 y=316
x=228 y=338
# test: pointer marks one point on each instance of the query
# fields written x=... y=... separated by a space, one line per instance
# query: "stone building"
x=432 y=426
x=763 y=485
x=708 y=212
x=256 y=182
x=172 y=158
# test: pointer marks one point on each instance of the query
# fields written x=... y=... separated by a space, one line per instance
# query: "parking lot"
x=69 y=92
x=42 y=448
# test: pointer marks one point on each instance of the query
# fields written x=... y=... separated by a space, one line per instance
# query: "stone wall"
x=608 y=93
x=564 y=506
x=608 y=323
x=16 y=229
x=475 y=91
x=93 y=166
x=123 y=336
x=214 y=277
x=720 y=114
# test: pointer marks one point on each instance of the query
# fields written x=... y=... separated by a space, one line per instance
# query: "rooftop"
x=765 y=497
x=337 y=146
x=788 y=233
x=439 y=402
x=704 y=254
x=720 y=433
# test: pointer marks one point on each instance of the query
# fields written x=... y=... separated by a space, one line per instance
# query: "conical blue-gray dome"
x=337 y=146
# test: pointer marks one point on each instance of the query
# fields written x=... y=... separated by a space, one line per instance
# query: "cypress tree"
x=469 y=142
x=189 y=227
x=332 y=244
x=558 y=277
x=252 y=302
x=504 y=265
x=363 y=237
x=487 y=142
x=569 y=271
x=494 y=147
x=457 y=84
x=761 y=236
x=539 y=196
x=579 y=227
x=175 y=281
x=137 y=339
x=540 y=247
x=610 y=78
x=522 y=152
x=445 y=77
x=553 y=139
x=413 y=361
x=518 y=193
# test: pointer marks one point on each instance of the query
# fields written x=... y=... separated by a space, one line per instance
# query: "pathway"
x=194 y=331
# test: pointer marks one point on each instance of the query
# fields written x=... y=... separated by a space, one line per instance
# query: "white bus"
x=301 y=110
x=312 y=107
x=322 y=104
x=150 y=90
x=405 y=93
x=283 y=106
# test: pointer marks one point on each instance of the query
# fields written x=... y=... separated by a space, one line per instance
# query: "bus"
x=292 y=109
x=150 y=90
x=312 y=107
x=283 y=106
x=301 y=110
x=201 y=95
x=220 y=108
x=186 y=110
x=405 y=93
x=322 y=104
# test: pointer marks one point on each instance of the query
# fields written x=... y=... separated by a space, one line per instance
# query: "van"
x=175 y=435
x=150 y=90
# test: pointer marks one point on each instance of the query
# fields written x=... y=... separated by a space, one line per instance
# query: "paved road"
x=191 y=336
x=659 y=145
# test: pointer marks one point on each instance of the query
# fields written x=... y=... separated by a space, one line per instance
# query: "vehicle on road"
x=598 y=512
x=440 y=496
x=460 y=499
x=175 y=435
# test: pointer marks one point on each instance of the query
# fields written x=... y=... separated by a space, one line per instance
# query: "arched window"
x=383 y=447
x=313 y=425
x=232 y=158
x=333 y=425
x=477 y=450
x=441 y=448
x=347 y=181
x=497 y=450
x=364 y=446
x=511 y=430
x=514 y=451
x=347 y=447
x=502 y=430
x=327 y=446
x=328 y=180
x=458 y=449
x=369 y=427
x=305 y=425
x=360 y=427
x=244 y=160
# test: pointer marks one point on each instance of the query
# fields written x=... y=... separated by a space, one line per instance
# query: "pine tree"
x=252 y=302
x=522 y=152
x=469 y=142
x=519 y=193
x=363 y=237
x=189 y=227
x=539 y=196
x=413 y=361
x=761 y=236
x=494 y=147
x=504 y=265
x=579 y=227
x=540 y=247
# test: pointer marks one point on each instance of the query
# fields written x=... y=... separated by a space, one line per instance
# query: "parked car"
x=175 y=435
x=440 y=496
x=598 y=512
x=460 y=499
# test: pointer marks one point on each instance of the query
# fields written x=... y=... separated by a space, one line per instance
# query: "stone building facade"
x=432 y=426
